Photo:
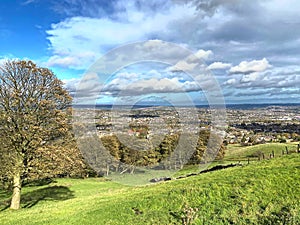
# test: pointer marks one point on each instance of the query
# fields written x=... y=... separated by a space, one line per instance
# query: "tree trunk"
x=16 y=196
x=107 y=169
x=132 y=170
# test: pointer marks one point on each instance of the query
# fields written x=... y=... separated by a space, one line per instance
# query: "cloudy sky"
x=250 y=50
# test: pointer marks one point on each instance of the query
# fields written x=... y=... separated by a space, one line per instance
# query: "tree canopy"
x=34 y=121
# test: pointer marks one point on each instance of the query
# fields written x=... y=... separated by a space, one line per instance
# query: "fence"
x=285 y=151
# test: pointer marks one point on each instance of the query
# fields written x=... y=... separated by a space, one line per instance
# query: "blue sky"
x=252 y=48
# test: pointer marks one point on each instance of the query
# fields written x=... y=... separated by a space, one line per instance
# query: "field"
x=263 y=192
x=236 y=152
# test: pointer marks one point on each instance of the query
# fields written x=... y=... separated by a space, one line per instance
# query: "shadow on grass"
x=54 y=193
x=41 y=182
x=4 y=199
x=30 y=199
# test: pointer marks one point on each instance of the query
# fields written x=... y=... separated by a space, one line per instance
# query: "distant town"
x=244 y=125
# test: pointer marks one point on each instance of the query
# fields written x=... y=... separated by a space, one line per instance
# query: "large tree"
x=34 y=115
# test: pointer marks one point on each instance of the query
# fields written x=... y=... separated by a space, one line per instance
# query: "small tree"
x=205 y=151
x=33 y=114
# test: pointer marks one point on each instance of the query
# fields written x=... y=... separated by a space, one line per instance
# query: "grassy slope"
x=265 y=192
x=236 y=152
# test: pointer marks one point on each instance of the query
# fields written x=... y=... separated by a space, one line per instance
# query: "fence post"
x=248 y=161
x=273 y=153
x=282 y=152
x=263 y=155
x=298 y=148
x=287 y=150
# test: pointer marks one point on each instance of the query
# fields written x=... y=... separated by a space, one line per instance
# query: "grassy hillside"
x=265 y=192
x=237 y=152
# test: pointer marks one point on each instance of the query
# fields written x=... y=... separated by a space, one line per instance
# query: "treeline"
x=174 y=151
x=275 y=128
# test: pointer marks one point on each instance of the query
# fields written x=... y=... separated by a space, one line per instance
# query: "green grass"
x=264 y=192
x=237 y=152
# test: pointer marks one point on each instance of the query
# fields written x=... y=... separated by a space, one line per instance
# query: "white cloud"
x=230 y=81
x=63 y=61
x=153 y=51
x=192 y=61
x=71 y=84
x=277 y=79
x=251 y=66
x=88 y=85
x=250 y=77
x=182 y=66
x=148 y=86
x=73 y=36
x=204 y=55
x=79 y=61
x=84 y=90
x=219 y=65
x=127 y=76
x=226 y=31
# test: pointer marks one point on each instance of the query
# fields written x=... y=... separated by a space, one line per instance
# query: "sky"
x=175 y=51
